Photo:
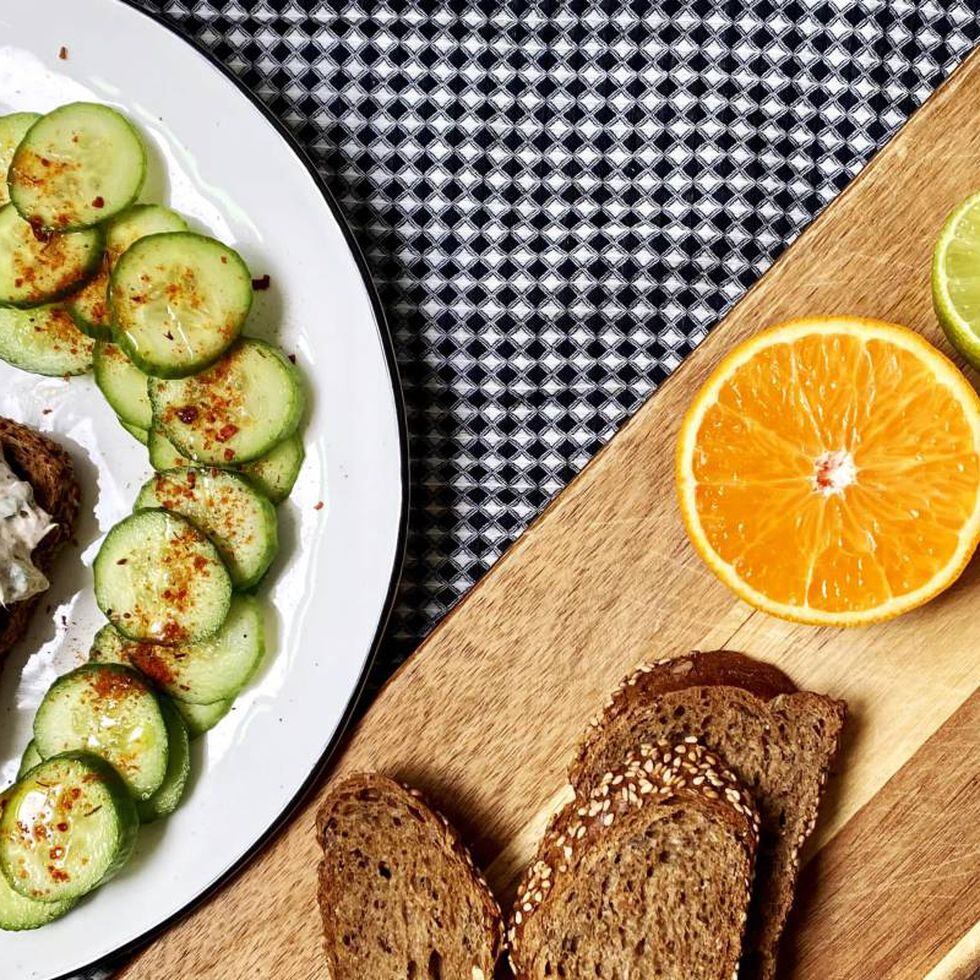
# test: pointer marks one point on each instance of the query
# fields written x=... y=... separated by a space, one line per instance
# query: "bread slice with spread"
x=399 y=894
x=778 y=741
x=645 y=873
x=39 y=495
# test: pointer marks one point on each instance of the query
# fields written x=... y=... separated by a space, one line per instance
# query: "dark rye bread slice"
x=779 y=742
x=399 y=894
x=48 y=468
x=648 y=874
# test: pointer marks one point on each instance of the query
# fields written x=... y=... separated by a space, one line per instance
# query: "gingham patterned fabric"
x=559 y=200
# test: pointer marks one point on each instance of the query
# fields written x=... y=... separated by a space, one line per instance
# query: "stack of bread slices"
x=677 y=856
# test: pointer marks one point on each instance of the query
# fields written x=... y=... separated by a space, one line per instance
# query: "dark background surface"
x=558 y=200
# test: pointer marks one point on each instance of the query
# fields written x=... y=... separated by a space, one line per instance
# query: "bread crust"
x=642 y=692
x=48 y=468
x=449 y=841
x=684 y=774
x=709 y=668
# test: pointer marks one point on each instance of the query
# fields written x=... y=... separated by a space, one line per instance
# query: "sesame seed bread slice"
x=399 y=894
x=780 y=743
x=48 y=468
x=647 y=874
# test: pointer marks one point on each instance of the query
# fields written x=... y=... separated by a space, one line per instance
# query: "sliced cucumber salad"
x=112 y=711
x=45 y=341
x=90 y=305
x=92 y=280
x=123 y=384
x=37 y=267
x=68 y=826
x=178 y=301
x=158 y=578
x=17 y=912
x=13 y=128
x=235 y=411
x=171 y=791
x=76 y=167
x=198 y=673
x=239 y=519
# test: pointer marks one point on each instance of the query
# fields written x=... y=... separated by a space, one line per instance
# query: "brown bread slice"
x=48 y=468
x=647 y=874
x=779 y=742
x=399 y=894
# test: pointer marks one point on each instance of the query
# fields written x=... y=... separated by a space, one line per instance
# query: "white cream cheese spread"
x=22 y=526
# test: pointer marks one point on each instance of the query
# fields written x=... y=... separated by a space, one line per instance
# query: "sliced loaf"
x=48 y=468
x=647 y=874
x=399 y=894
x=779 y=742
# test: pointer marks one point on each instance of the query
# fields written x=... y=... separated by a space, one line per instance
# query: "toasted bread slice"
x=645 y=874
x=48 y=468
x=399 y=894
x=779 y=742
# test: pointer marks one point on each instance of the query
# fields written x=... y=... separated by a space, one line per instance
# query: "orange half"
x=828 y=471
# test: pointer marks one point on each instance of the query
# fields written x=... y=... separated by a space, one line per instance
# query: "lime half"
x=956 y=279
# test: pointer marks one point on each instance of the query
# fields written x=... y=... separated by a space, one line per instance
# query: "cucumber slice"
x=178 y=301
x=158 y=578
x=45 y=341
x=40 y=268
x=123 y=384
x=77 y=166
x=90 y=305
x=18 y=913
x=67 y=827
x=163 y=453
x=12 y=130
x=201 y=718
x=138 y=222
x=113 y=712
x=234 y=412
x=167 y=798
x=198 y=673
x=140 y=435
x=239 y=519
x=275 y=473
x=29 y=759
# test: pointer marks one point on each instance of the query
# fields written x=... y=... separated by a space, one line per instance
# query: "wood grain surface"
x=486 y=713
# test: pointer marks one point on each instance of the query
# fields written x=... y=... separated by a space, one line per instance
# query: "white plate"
x=217 y=158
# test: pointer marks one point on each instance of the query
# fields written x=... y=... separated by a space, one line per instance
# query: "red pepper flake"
x=58 y=874
x=63 y=53
x=191 y=478
x=224 y=259
x=226 y=432
x=229 y=455
x=261 y=283
x=46 y=411
x=146 y=659
x=122 y=561
x=40 y=232
x=188 y=414
x=318 y=505
x=98 y=202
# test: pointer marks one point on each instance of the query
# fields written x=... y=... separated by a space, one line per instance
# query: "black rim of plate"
x=319 y=767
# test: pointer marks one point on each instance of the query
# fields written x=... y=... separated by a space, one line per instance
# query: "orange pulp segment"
x=828 y=471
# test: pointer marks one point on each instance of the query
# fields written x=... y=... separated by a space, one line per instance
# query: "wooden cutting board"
x=486 y=713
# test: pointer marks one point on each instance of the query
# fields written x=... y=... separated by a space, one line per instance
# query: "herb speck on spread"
x=23 y=523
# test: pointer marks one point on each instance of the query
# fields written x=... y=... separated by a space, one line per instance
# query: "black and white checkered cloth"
x=559 y=200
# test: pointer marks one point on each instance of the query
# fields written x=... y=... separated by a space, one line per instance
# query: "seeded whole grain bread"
x=399 y=894
x=645 y=874
x=779 y=742
x=48 y=468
